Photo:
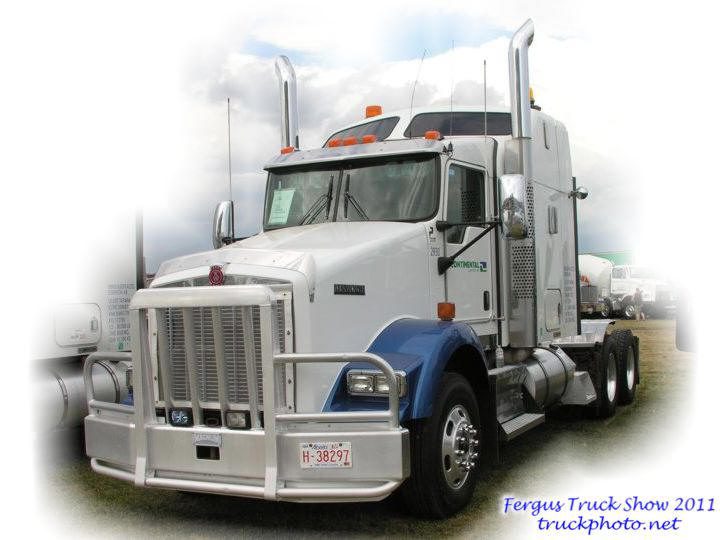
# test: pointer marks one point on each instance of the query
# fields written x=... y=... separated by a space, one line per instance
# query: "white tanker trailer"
x=410 y=303
x=595 y=286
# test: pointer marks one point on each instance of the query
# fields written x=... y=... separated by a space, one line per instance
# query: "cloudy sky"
x=126 y=103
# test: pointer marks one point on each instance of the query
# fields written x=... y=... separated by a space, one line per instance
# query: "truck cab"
x=657 y=295
x=410 y=302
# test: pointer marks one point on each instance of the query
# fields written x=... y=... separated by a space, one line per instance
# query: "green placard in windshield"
x=280 y=209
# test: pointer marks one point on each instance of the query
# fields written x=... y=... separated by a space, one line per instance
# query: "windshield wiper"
x=317 y=206
x=349 y=197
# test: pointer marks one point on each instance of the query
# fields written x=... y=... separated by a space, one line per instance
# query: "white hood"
x=318 y=250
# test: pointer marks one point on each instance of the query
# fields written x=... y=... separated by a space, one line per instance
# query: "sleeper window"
x=465 y=200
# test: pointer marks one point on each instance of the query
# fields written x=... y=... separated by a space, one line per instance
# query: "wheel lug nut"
x=461 y=439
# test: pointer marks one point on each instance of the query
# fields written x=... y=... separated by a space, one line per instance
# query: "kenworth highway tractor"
x=410 y=304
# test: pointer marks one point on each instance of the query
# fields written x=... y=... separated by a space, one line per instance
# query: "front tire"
x=444 y=452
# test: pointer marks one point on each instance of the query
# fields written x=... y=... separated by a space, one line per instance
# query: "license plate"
x=325 y=455
x=207 y=439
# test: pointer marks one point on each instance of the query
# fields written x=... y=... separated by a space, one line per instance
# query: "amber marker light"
x=446 y=311
x=332 y=143
x=287 y=150
x=368 y=138
x=373 y=110
x=434 y=135
x=349 y=141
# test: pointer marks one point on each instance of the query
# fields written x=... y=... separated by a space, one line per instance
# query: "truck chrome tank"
x=60 y=400
x=549 y=371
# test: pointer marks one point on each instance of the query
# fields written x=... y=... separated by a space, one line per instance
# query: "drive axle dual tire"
x=444 y=453
x=627 y=366
x=618 y=373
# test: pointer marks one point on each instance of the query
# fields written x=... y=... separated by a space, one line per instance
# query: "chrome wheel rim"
x=611 y=377
x=630 y=367
x=459 y=447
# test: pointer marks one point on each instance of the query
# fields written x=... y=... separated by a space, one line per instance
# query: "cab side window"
x=618 y=273
x=465 y=201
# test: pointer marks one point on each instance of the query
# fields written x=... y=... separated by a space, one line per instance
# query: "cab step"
x=521 y=424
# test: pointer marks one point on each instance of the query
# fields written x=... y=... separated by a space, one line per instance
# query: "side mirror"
x=512 y=206
x=223 y=224
x=579 y=193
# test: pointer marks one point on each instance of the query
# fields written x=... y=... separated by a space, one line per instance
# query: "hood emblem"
x=216 y=276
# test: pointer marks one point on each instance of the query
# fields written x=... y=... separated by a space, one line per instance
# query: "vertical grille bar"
x=191 y=359
x=252 y=379
x=163 y=361
x=220 y=361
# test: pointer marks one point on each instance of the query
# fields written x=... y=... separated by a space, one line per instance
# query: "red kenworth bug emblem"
x=216 y=275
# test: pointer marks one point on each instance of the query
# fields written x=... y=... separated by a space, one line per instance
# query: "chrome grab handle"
x=391 y=415
x=90 y=361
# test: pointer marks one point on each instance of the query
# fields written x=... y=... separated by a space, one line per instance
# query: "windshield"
x=400 y=189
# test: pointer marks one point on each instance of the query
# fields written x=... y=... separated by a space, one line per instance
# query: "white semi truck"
x=410 y=304
x=608 y=290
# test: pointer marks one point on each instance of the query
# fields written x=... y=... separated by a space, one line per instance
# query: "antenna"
x=485 y=95
x=412 y=97
x=452 y=84
x=229 y=153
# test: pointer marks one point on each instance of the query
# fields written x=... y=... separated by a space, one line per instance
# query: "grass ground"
x=85 y=503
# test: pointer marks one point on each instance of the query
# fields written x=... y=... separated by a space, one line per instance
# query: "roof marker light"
x=349 y=141
x=332 y=143
x=368 y=138
x=287 y=150
x=373 y=110
x=434 y=135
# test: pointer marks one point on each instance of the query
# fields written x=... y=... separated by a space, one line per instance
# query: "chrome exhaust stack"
x=288 y=103
x=518 y=251
x=520 y=80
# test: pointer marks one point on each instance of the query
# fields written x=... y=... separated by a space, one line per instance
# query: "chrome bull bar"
x=140 y=422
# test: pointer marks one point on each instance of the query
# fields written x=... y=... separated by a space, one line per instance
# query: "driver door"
x=468 y=282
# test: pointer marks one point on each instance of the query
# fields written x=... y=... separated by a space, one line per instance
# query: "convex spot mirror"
x=512 y=206
x=223 y=224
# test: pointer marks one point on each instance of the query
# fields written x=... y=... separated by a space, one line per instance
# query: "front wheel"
x=444 y=452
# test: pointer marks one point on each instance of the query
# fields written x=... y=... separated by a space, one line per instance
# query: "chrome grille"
x=235 y=365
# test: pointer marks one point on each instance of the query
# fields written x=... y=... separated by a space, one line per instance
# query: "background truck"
x=411 y=302
x=87 y=311
x=608 y=290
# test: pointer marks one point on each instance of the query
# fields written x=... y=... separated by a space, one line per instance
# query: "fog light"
x=237 y=419
x=360 y=383
x=180 y=417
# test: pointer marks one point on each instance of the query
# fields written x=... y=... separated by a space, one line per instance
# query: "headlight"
x=373 y=383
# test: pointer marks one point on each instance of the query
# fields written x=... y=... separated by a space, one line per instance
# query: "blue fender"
x=420 y=348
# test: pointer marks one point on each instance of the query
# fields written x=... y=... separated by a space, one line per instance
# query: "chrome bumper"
x=131 y=443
